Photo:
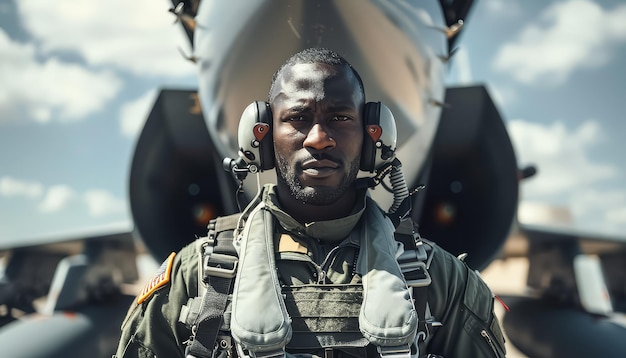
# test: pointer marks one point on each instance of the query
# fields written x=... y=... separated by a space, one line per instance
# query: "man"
x=316 y=263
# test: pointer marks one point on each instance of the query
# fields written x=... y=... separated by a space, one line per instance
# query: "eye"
x=296 y=119
x=341 y=118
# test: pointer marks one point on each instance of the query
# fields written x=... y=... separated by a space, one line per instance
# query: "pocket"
x=478 y=298
x=491 y=343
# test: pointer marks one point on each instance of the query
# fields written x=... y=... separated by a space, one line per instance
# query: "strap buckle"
x=220 y=265
x=403 y=351
x=415 y=273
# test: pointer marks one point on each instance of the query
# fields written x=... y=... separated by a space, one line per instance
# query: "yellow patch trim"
x=288 y=244
x=160 y=279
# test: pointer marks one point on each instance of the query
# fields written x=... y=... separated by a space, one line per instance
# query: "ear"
x=256 y=146
x=379 y=142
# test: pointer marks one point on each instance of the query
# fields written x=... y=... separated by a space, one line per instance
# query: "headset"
x=256 y=144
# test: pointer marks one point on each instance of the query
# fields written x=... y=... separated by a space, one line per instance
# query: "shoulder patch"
x=160 y=279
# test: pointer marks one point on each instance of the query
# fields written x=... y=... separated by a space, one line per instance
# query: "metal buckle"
x=220 y=265
x=403 y=351
x=421 y=251
x=418 y=268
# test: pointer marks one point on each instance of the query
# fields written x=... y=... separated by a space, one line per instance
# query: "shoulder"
x=458 y=284
x=174 y=276
x=155 y=311
x=179 y=276
x=442 y=260
x=463 y=302
x=187 y=264
x=189 y=259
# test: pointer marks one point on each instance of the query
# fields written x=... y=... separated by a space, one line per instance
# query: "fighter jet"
x=452 y=142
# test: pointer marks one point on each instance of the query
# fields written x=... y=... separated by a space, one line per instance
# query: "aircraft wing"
x=76 y=236
x=574 y=303
x=71 y=291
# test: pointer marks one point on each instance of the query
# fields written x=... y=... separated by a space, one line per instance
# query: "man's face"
x=318 y=131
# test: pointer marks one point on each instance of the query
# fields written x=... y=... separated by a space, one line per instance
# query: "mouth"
x=319 y=168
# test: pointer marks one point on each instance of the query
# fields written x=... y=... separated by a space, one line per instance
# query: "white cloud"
x=101 y=202
x=560 y=155
x=133 y=114
x=94 y=202
x=41 y=88
x=138 y=36
x=600 y=209
x=567 y=177
x=57 y=198
x=568 y=35
x=14 y=187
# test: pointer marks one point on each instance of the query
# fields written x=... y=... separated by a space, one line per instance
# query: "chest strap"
x=218 y=265
x=415 y=262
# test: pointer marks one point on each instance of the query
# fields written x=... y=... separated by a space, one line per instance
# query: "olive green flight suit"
x=457 y=296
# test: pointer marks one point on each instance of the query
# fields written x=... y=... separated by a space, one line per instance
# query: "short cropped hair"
x=316 y=55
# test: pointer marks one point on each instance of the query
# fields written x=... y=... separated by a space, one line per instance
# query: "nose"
x=318 y=138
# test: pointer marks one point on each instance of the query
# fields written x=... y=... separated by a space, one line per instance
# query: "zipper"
x=326 y=263
x=326 y=259
x=487 y=338
x=321 y=277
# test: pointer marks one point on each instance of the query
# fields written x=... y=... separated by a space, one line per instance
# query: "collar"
x=328 y=230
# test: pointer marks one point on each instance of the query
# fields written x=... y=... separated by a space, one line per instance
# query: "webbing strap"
x=208 y=323
x=219 y=266
x=414 y=263
x=420 y=294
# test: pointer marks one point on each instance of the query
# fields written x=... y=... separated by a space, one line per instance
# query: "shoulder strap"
x=414 y=263
x=217 y=268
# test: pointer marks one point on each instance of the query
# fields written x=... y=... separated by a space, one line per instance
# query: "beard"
x=318 y=195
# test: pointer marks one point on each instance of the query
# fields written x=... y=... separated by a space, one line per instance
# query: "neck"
x=306 y=213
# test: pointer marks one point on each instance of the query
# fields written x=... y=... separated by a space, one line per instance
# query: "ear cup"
x=379 y=141
x=256 y=146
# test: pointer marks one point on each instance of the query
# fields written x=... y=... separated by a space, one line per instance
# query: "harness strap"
x=421 y=305
x=415 y=262
x=219 y=265
x=212 y=308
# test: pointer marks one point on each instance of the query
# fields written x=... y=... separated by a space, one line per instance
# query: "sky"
x=555 y=69
x=77 y=80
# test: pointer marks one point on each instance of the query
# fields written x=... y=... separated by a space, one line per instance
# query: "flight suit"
x=320 y=252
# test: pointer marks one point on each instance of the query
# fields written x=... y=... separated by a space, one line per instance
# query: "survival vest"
x=214 y=319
